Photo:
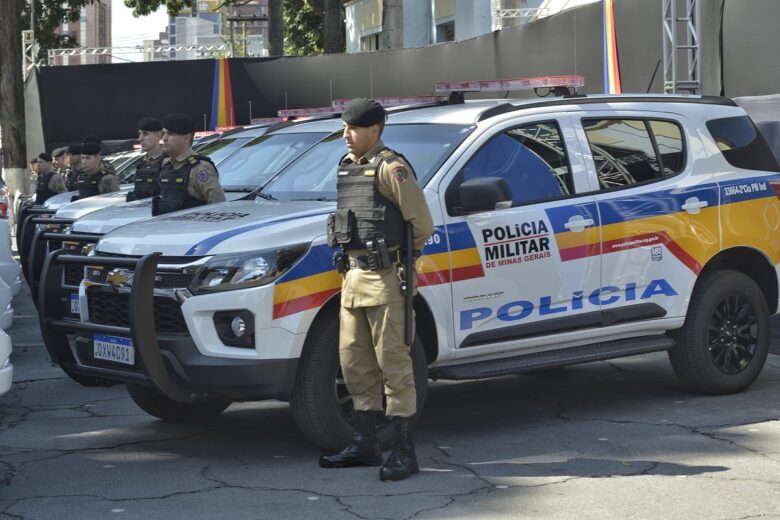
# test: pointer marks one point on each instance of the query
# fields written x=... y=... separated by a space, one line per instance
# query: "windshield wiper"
x=265 y=196
x=316 y=199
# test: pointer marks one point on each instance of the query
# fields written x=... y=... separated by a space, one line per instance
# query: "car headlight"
x=241 y=270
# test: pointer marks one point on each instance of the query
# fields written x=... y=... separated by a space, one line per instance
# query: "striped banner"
x=222 y=113
x=611 y=63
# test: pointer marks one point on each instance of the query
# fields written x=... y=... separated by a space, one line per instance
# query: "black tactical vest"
x=146 y=178
x=42 y=191
x=363 y=213
x=88 y=184
x=173 y=194
x=72 y=178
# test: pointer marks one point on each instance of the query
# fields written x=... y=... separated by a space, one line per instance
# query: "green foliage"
x=302 y=28
x=50 y=14
x=144 y=7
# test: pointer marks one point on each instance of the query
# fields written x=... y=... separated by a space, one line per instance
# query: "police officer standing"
x=374 y=180
x=49 y=182
x=146 y=174
x=186 y=180
x=73 y=170
x=95 y=178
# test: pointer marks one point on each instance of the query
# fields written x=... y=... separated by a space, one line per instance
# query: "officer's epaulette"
x=386 y=153
x=193 y=160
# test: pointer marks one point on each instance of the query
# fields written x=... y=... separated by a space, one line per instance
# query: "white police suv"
x=566 y=230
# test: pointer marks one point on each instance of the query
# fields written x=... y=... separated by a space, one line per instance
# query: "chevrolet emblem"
x=119 y=277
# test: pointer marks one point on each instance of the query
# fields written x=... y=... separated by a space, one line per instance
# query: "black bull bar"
x=25 y=231
x=141 y=331
x=32 y=265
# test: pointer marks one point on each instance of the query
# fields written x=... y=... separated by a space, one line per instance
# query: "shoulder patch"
x=203 y=176
x=400 y=173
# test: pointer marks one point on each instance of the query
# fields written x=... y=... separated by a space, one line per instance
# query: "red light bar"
x=511 y=84
x=297 y=112
x=397 y=101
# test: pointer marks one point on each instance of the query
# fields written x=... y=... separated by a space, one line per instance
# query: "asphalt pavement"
x=620 y=439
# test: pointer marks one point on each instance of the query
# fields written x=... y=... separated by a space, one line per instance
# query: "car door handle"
x=694 y=205
x=577 y=223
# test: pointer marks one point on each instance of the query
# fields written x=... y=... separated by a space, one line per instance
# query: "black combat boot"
x=364 y=449
x=402 y=462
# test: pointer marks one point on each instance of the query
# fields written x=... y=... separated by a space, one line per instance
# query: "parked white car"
x=9 y=267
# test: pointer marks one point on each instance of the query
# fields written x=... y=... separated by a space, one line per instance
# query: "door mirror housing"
x=484 y=194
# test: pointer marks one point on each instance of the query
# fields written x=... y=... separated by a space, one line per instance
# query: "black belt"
x=361 y=261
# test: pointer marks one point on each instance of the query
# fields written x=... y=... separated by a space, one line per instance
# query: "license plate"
x=112 y=348
x=75 y=304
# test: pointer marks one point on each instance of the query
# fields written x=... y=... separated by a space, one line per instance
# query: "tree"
x=275 y=27
x=12 y=95
x=313 y=27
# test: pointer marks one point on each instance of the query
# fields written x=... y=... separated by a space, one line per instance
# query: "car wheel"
x=154 y=402
x=724 y=342
x=321 y=404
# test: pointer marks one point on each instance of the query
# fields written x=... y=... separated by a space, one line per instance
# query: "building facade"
x=93 y=29
x=427 y=22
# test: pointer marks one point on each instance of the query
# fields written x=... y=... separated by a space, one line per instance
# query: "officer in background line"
x=148 y=171
x=49 y=182
x=186 y=180
x=95 y=178
x=73 y=169
x=374 y=180
x=58 y=163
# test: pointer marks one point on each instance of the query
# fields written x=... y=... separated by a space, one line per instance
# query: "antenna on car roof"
x=556 y=85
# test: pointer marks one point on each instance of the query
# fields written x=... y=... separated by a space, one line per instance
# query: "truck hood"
x=105 y=219
x=230 y=227
x=82 y=207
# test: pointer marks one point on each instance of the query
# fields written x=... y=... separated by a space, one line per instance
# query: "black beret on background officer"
x=374 y=180
x=95 y=177
x=186 y=180
x=147 y=172
x=49 y=182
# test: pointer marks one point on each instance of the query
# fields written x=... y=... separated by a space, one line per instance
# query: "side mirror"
x=483 y=194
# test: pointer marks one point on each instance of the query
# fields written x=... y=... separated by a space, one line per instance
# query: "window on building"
x=369 y=43
x=445 y=32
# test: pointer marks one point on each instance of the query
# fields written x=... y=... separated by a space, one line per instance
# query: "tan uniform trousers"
x=372 y=352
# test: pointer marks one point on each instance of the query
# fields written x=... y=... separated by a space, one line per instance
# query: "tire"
x=320 y=402
x=157 y=404
x=724 y=342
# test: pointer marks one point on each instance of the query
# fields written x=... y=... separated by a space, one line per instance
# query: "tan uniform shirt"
x=204 y=179
x=57 y=183
x=395 y=181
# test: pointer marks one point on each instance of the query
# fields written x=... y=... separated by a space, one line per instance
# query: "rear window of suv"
x=742 y=144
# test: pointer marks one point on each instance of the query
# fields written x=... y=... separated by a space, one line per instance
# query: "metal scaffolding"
x=223 y=50
x=29 y=53
x=502 y=10
x=691 y=83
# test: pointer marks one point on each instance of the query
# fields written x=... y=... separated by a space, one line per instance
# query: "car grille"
x=111 y=308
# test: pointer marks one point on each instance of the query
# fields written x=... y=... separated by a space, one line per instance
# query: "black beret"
x=178 y=124
x=150 y=124
x=363 y=112
x=88 y=138
x=59 y=152
x=44 y=157
x=74 y=149
x=90 y=148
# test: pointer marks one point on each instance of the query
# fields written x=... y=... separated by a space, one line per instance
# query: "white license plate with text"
x=112 y=348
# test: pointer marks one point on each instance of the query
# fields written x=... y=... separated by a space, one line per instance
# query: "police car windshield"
x=262 y=158
x=220 y=149
x=313 y=175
